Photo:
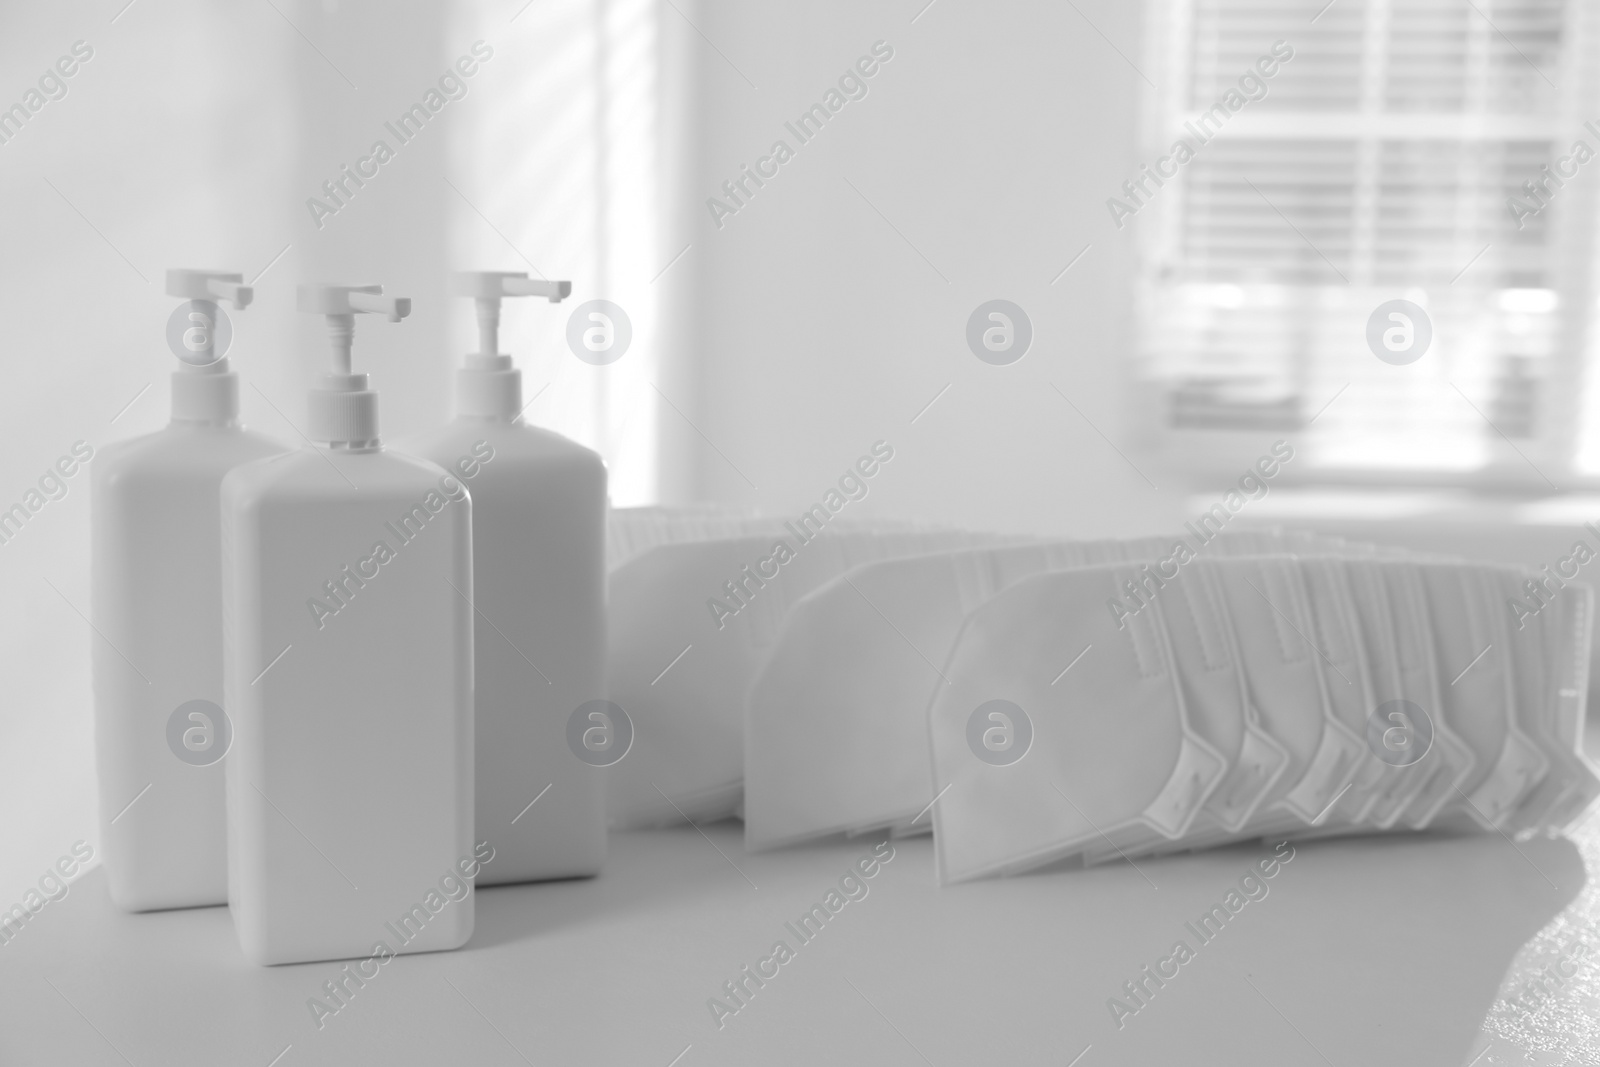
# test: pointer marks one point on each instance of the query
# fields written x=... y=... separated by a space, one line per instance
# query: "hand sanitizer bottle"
x=156 y=603
x=539 y=504
x=347 y=570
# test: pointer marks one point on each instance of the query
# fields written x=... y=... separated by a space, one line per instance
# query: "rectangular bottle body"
x=538 y=504
x=349 y=669
x=156 y=604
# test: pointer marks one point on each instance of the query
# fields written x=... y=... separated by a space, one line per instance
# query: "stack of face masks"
x=836 y=725
x=1039 y=702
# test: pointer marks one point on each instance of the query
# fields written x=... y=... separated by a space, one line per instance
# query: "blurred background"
x=1424 y=150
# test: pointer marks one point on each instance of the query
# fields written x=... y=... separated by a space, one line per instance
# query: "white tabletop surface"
x=1397 y=950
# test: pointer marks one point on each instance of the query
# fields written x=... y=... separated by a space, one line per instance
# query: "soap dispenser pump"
x=349 y=660
x=161 y=728
x=204 y=387
x=343 y=410
x=539 y=504
x=488 y=386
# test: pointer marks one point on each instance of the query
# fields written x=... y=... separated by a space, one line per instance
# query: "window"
x=1379 y=164
x=556 y=174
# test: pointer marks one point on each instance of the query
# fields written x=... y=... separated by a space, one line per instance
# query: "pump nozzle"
x=489 y=287
x=209 y=285
x=340 y=305
x=393 y=308
x=489 y=386
x=204 y=388
x=343 y=409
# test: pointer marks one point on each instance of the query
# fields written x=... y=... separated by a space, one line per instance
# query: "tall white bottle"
x=538 y=503
x=346 y=570
x=156 y=604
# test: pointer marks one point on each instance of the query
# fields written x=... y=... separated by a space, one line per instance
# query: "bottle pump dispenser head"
x=489 y=386
x=343 y=410
x=204 y=388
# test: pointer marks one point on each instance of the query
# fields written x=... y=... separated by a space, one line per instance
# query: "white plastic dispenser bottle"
x=156 y=604
x=538 y=504
x=346 y=570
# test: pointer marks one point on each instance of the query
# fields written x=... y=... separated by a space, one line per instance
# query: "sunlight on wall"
x=555 y=173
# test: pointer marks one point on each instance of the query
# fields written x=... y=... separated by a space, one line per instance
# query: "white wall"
x=167 y=150
x=989 y=142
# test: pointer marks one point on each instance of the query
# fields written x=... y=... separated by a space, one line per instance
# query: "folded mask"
x=836 y=724
x=1525 y=760
x=1450 y=762
x=667 y=666
x=1190 y=612
x=1287 y=675
x=1550 y=656
x=1212 y=674
x=1393 y=721
x=689 y=625
x=1568 y=652
x=1333 y=636
x=1031 y=765
x=1526 y=638
x=1478 y=696
x=1350 y=687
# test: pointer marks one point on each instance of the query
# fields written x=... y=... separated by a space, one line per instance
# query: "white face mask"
x=1190 y=611
x=1346 y=674
x=1567 y=652
x=1288 y=675
x=1021 y=754
x=689 y=623
x=684 y=750
x=836 y=724
x=1396 y=719
x=1457 y=762
x=1478 y=699
x=1350 y=687
x=1548 y=659
x=1213 y=676
x=1320 y=620
x=1524 y=761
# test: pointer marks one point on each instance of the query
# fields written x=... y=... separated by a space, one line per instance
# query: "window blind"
x=1378 y=166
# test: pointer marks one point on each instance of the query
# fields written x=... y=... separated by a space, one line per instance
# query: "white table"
x=1365 y=951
